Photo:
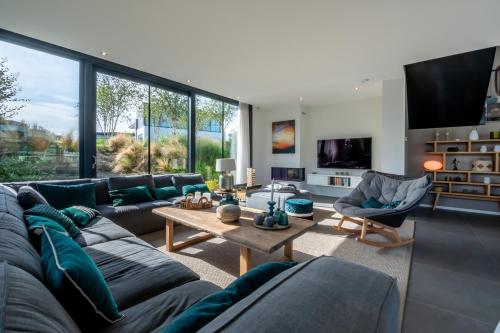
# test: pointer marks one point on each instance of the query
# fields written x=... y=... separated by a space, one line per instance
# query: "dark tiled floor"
x=455 y=274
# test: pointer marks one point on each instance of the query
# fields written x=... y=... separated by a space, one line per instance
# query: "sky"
x=51 y=85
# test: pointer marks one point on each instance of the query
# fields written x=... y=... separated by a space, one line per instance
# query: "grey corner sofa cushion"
x=136 y=271
x=186 y=179
x=154 y=314
x=121 y=182
x=100 y=230
x=385 y=190
x=101 y=191
x=28 y=197
x=336 y=295
x=164 y=180
x=26 y=305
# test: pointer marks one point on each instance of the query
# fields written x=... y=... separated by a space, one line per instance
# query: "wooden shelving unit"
x=471 y=185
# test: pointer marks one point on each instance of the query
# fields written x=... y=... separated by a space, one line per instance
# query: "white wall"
x=354 y=119
x=392 y=153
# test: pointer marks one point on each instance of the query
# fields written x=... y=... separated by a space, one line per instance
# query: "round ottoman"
x=300 y=208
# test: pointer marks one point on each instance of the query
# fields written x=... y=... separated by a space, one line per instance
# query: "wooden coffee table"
x=242 y=233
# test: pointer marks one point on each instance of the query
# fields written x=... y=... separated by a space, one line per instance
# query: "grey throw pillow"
x=29 y=197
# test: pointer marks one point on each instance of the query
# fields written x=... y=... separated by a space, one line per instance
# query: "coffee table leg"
x=245 y=260
x=288 y=250
x=169 y=236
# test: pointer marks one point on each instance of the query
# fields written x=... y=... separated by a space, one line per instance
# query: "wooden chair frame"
x=371 y=226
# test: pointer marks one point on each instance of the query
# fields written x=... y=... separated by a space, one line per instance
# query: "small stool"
x=302 y=208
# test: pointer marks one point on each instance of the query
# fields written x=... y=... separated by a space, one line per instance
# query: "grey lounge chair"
x=386 y=188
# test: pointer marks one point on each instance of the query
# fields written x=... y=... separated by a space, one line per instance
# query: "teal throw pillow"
x=372 y=203
x=391 y=205
x=54 y=215
x=77 y=282
x=164 y=193
x=187 y=189
x=62 y=196
x=131 y=195
x=36 y=223
x=79 y=215
x=208 y=308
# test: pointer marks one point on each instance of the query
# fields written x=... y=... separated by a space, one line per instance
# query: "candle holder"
x=271 y=207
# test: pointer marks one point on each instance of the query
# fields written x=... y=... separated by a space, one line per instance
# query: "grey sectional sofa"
x=322 y=295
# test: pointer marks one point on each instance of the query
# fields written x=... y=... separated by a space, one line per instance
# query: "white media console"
x=340 y=181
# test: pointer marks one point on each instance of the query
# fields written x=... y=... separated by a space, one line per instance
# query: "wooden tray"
x=274 y=227
x=188 y=203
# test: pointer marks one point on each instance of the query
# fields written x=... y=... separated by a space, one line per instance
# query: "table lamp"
x=225 y=166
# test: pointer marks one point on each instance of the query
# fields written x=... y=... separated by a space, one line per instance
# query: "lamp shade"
x=225 y=164
x=433 y=165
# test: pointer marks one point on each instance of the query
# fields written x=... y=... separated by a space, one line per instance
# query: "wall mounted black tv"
x=345 y=153
x=449 y=91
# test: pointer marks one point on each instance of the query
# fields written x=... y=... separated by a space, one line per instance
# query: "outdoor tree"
x=9 y=88
x=169 y=107
x=115 y=97
x=211 y=109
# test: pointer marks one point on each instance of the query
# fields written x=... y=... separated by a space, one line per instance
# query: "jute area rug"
x=217 y=260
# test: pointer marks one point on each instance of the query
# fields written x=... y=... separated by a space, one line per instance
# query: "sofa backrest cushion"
x=26 y=305
x=15 y=246
x=101 y=191
x=163 y=180
x=63 y=196
x=121 y=182
x=187 y=179
x=324 y=286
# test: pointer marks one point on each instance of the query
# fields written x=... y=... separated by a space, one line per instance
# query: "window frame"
x=89 y=66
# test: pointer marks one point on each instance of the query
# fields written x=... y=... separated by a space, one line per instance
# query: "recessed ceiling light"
x=301 y=99
x=356 y=88
x=237 y=97
x=104 y=53
x=188 y=81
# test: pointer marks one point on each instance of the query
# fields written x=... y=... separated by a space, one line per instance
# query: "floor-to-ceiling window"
x=169 y=118
x=39 y=115
x=121 y=134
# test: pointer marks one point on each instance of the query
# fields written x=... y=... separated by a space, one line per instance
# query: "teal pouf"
x=299 y=208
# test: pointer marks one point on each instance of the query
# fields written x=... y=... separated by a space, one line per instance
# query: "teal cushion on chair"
x=203 y=188
x=76 y=281
x=371 y=202
x=207 y=309
x=131 y=195
x=62 y=196
x=55 y=215
x=164 y=193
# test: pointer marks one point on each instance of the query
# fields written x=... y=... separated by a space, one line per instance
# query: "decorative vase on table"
x=474 y=135
x=229 y=199
x=228 y=213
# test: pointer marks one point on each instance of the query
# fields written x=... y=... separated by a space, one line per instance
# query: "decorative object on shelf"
x=487 y=180
x=482 y=165
x=457 y=179
x=438 y=188
x=225 y=166
x=436 y=134
x=432 y=165
x=497 y=148
x=283 y=137
x=446 y=178
x=251 y=180
x=452 y=149
x=228 y=213
x=483 y=149
x=473 y=135
x=229 y=199
x=191 y=203
x=455 y=163
x=447 y=134
x=495 y=135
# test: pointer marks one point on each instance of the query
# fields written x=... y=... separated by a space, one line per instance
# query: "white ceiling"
x=267 y=52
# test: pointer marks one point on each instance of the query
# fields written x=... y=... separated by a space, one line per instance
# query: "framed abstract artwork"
x=284 y=137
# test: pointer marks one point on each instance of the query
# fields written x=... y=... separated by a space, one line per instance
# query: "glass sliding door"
x=39 y=115
x=121 y=134
x=169 y=118
x=231 y=125
x=209 y=116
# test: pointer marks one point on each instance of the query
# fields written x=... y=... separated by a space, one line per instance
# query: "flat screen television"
x=353 y=153
x=449 y=91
